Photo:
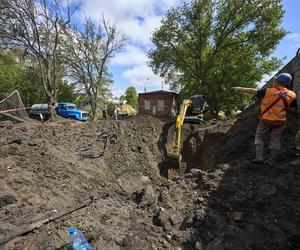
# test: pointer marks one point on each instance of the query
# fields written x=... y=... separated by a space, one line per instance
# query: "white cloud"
x=132 y=55
x=138 y=31
x=296 y=46
x=143 y=76
x=137 y=19
x=295 y=38
x=117 y=91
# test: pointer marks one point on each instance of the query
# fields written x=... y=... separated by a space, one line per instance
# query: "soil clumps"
x=223 y=202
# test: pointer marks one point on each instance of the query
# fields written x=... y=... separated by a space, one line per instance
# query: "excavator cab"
x=190 y=117
x=195 y=110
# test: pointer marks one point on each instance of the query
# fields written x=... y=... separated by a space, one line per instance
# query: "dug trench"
x=50 y=182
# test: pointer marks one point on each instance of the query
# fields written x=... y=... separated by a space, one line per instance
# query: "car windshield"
x=71 y=107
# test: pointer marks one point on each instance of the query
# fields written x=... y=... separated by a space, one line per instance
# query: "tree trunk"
x=93 y=109
x=52 y=102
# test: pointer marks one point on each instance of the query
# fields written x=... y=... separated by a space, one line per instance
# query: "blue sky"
x=291 y=23
x=138 y=18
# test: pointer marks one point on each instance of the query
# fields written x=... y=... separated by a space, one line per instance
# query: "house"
x=158 y=103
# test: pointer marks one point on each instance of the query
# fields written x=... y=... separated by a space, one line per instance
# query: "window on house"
x=160 y=105
x=146 y=104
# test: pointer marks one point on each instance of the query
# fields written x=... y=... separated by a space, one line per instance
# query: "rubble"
x=226 y=202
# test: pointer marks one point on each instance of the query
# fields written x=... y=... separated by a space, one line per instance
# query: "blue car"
x=69 y=110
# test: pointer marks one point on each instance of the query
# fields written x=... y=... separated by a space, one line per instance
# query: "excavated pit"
x=121 y=201
x=196 y=148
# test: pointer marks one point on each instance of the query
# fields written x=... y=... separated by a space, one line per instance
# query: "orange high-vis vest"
x=277 y=111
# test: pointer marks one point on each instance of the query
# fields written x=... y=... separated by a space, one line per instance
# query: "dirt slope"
x=228 y=203
x=249 y=206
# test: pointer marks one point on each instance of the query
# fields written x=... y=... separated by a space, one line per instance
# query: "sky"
x=137 y=19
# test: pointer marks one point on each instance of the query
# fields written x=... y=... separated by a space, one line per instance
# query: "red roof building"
x=158 y=103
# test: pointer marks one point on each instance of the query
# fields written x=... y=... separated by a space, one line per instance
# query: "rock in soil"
x=223 y=202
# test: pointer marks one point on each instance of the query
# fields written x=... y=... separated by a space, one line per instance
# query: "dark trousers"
x=273 y=129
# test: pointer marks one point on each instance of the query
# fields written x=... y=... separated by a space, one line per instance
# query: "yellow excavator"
x=179 y=122
x=190 y=116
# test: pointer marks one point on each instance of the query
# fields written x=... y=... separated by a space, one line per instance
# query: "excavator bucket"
x=175 y=161
x=173 y=164
x=176 y=157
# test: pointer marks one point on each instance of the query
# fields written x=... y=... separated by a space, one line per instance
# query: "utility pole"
x=147 y=80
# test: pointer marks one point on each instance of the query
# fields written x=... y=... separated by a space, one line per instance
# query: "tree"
x=208 y=46
x=122 y=98
x=36 y=26
x=87 y=55
x=131 y=96
x=67 y=92
x=17 y=74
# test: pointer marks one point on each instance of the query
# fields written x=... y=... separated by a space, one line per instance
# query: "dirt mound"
x=42 y=175
x=120 y=201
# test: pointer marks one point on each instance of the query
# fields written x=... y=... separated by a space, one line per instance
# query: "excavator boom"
x=179 y=133
x=179 y=122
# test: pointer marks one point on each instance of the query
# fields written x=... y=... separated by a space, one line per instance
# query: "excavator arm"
x=182 y=139
x=179 y=122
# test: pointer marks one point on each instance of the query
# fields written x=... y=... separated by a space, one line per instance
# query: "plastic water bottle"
x=77 y=240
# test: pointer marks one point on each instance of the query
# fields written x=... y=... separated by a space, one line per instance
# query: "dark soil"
x=223 y=202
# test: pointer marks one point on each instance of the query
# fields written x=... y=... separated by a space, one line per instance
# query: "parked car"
x=69 y=110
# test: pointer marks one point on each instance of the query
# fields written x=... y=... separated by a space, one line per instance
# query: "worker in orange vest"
x=274 y=105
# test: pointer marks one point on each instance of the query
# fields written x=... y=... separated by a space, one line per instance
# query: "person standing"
x=274 y=105
x=104 y=114
x=116 y=114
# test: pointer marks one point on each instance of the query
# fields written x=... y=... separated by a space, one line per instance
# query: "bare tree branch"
x=87 y=54
x=36 y=26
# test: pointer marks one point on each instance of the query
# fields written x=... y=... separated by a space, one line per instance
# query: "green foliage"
x=15 y=75
x=122 y=98
x=207 y=46
x=60 y=48
x=66 y=92
x=131 y=96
